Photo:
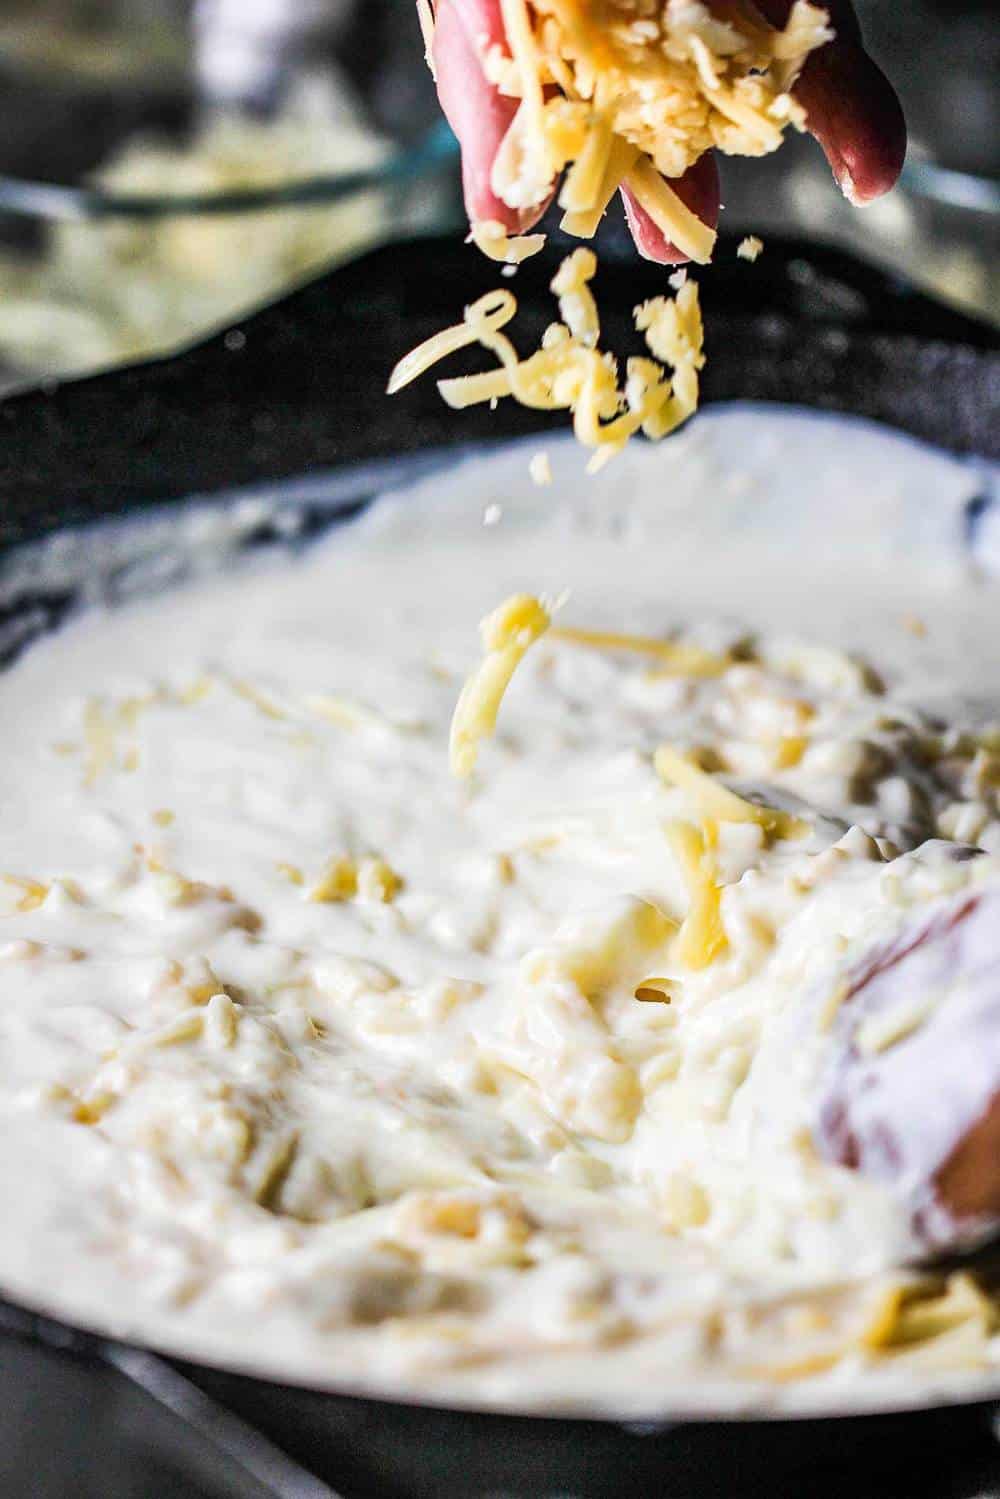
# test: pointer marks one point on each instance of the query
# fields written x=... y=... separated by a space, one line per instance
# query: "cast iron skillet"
x=297 y=390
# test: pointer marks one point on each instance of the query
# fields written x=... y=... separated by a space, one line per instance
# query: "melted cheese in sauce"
x=320 y=1062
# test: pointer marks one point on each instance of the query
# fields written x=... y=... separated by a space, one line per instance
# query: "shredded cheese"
x=569 y=372
x=251 y=694
x=664 y=83
x=488 y=315
x=750 y=248
x=33 y=892
x=670 y=215
x=713 y=800
x=583 y=222
x=929 y=1316
x=507 y=634
x=378 y=881
x=577 y=307
x=490 y=236
x=98 y=737
x=879 y=1033
x=702 y=936
x=675 y=656
x=339 y=881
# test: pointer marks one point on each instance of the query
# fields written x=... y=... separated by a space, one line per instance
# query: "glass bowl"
x=144 y=201
x=941 y=227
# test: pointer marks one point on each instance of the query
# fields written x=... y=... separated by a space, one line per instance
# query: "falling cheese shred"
x=486 y=316
x=570 y=372
x=507 y=634
x=750 y=248
x=717 y=802
x=490 y=236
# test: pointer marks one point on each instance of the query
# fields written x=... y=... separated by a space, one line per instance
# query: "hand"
x=850 y=105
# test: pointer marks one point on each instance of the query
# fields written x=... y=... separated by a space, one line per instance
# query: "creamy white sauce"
x=432 y=1144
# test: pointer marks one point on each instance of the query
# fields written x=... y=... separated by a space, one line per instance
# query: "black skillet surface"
x=296 y=389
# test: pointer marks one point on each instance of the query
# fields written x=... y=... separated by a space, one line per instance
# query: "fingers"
x=852 y=110
x=851 y=107
x=479 y=115
x=699 y=189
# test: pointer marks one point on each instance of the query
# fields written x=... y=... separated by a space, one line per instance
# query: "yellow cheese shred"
x=670 y=215
x=675 y=656
x=507 y=634
x=488 y=315
x=583 y=221
x=577 y=307
x=750 y=247
x=344 y=878
x=715 y=801
x=33 y=892
x=702 y=936
x=490 y=236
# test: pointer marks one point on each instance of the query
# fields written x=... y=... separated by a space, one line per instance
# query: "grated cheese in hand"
x=671 y=216
x=569 y=372
x=639 y=93
x=610 y=97
x=507 y=634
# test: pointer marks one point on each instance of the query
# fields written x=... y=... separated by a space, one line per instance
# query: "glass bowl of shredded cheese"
x=141 y=207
